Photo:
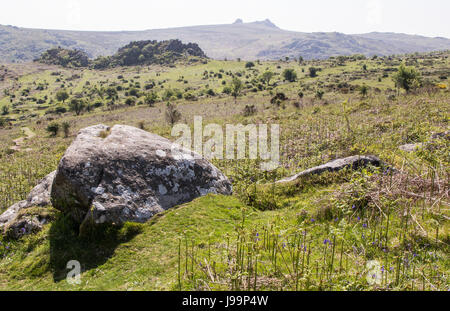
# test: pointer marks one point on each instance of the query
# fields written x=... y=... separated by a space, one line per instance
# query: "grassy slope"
x=148 y=260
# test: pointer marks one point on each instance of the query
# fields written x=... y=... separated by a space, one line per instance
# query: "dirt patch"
x=19 y=142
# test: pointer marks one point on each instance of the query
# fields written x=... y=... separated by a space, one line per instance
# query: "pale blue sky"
x=430 y=17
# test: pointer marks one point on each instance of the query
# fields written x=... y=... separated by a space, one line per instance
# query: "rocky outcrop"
x=119 y=174
x=138 y=53
x=353 y=162
x=15 y=223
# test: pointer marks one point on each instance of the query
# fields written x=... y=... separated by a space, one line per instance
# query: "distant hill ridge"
x=248 y=41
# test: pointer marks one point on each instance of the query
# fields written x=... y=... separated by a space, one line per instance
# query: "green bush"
x=407 y=78
x=53 y=128
x=249 y=65
x=290 y=75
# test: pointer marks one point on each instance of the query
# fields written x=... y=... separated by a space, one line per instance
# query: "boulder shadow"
x=92 y=249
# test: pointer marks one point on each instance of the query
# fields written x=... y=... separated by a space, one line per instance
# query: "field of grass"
x=323 y=233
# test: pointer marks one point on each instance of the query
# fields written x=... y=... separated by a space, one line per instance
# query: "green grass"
x=133 y=257
x=220 y=232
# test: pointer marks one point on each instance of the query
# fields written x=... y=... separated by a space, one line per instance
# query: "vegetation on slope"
x=317 y=234
x=65 y=58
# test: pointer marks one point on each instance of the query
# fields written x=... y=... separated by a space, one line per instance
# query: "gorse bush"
x=407 y=78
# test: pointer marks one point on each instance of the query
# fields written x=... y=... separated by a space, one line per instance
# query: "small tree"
x=150 y=99
x=312 y=72
x=301 y=95
x=66 y=128
x=62 y=96
x=5 y=110
x=267 y=76
x=407 y=78
x=236 y=88
x=290 y=75
x=77 y=105
x=53 y=129
x=363 y=90
x=172 y=114
x=319 y=94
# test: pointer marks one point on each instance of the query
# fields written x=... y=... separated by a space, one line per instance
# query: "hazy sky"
x=430 y=17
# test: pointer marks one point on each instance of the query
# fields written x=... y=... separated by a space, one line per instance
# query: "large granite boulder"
x=119 y=174
x=114 y=175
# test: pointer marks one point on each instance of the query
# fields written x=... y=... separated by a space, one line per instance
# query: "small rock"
x=410 y=147
x=38 y=197
x=445 y=135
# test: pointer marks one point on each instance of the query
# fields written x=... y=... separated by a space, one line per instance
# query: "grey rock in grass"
x=417 y=146
x=39 y=196
x=353 y=162
x=410 y=147
x=441 y=135
x=119 y=174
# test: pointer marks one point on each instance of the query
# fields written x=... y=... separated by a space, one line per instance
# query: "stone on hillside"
x=353 y=162
x=13 y=222
x=410 y=147
x=119 y=174
x=445 y=135
x=433 y=137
